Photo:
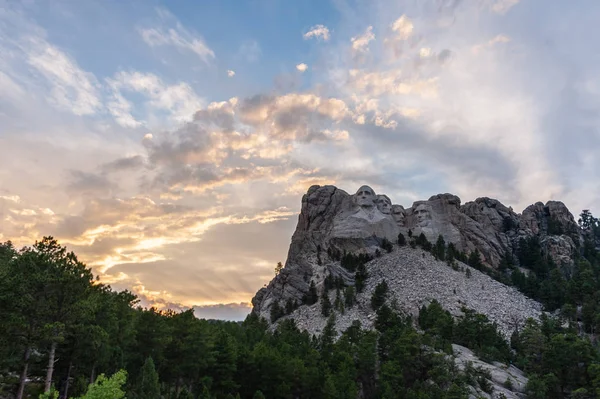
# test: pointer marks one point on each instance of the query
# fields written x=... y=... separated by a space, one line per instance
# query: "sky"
x=168 y=143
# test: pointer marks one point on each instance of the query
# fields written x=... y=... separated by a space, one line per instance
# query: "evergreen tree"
x=185 y=394
x=379 y=295
x=475 y=260
x=401 y=240
x=349 y=296
x=387 y=245
x=311 y=297
x=360 y=278
x=440 y=248
x=149 y=387
x=325 y=304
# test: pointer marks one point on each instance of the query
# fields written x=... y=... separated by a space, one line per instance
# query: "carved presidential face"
x=398 y=213
x=384 y=204
x=423 y=213
x=365 y=197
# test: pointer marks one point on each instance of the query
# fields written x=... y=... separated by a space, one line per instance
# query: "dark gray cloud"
x=90 y=184
x=124 y=164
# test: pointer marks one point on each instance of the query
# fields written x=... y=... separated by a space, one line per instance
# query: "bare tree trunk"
x=177 y=382
x=66 y=393
x=23 y=377
x=93 y=375
x=50 y=367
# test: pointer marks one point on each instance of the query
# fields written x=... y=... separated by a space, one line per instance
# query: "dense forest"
x=64 y=333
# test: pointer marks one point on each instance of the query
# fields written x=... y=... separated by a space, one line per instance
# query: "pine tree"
x=349 y=296
x=379 y=295
x=440 y=248
x=185 y=394
x=401 y=239
x=149 y=387
x=311 y=296
x=325 y=304
x=276 y=312
x=475 y=260
x=360 y=277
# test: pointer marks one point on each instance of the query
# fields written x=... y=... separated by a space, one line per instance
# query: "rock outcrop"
x=333 y=221
x=415 y=278
x=506 y=381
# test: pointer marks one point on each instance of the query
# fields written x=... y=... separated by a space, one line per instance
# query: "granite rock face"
x=506 y=381
x=332 y=220
x=415 y=279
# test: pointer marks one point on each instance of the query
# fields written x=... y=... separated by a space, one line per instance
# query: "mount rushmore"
x=333 y=221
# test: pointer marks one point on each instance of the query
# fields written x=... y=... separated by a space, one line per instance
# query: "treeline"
x=61 y=329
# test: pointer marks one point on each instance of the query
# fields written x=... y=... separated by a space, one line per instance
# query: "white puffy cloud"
x=360 y=43
x=403 y=28
x=318 y=32
x=143 y=201
x=302 y=67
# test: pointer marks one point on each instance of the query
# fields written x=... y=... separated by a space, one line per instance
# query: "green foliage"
x=100 y=331
x=325 y=304
x=386 y=245
x=352 y=262
x=276 y=312
x=439 y=249
x=472 y=330
x=51 y=394
x=360 y=278
x=379 y=295
x=401 y=240
x=109 y=388
x=278 y=268
x=311 y=297
x=422 y=242
x=475 y=260
x=554 y=227
x=149 y=387
x=349 y=297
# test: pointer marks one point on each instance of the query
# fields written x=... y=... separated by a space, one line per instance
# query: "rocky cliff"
x=332 y=221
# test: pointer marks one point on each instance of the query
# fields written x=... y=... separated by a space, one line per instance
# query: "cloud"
x=178 y=100
x=123 y=164
x=502 y=6
x=89 y=184
x=230 y=73
x=360 y=43
x=498 y=39
x=71 y=88
x=190 y=199
x=403 y=28
x=302 y=67
x=177 y=36
x=318 y=32
x=249 y=51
